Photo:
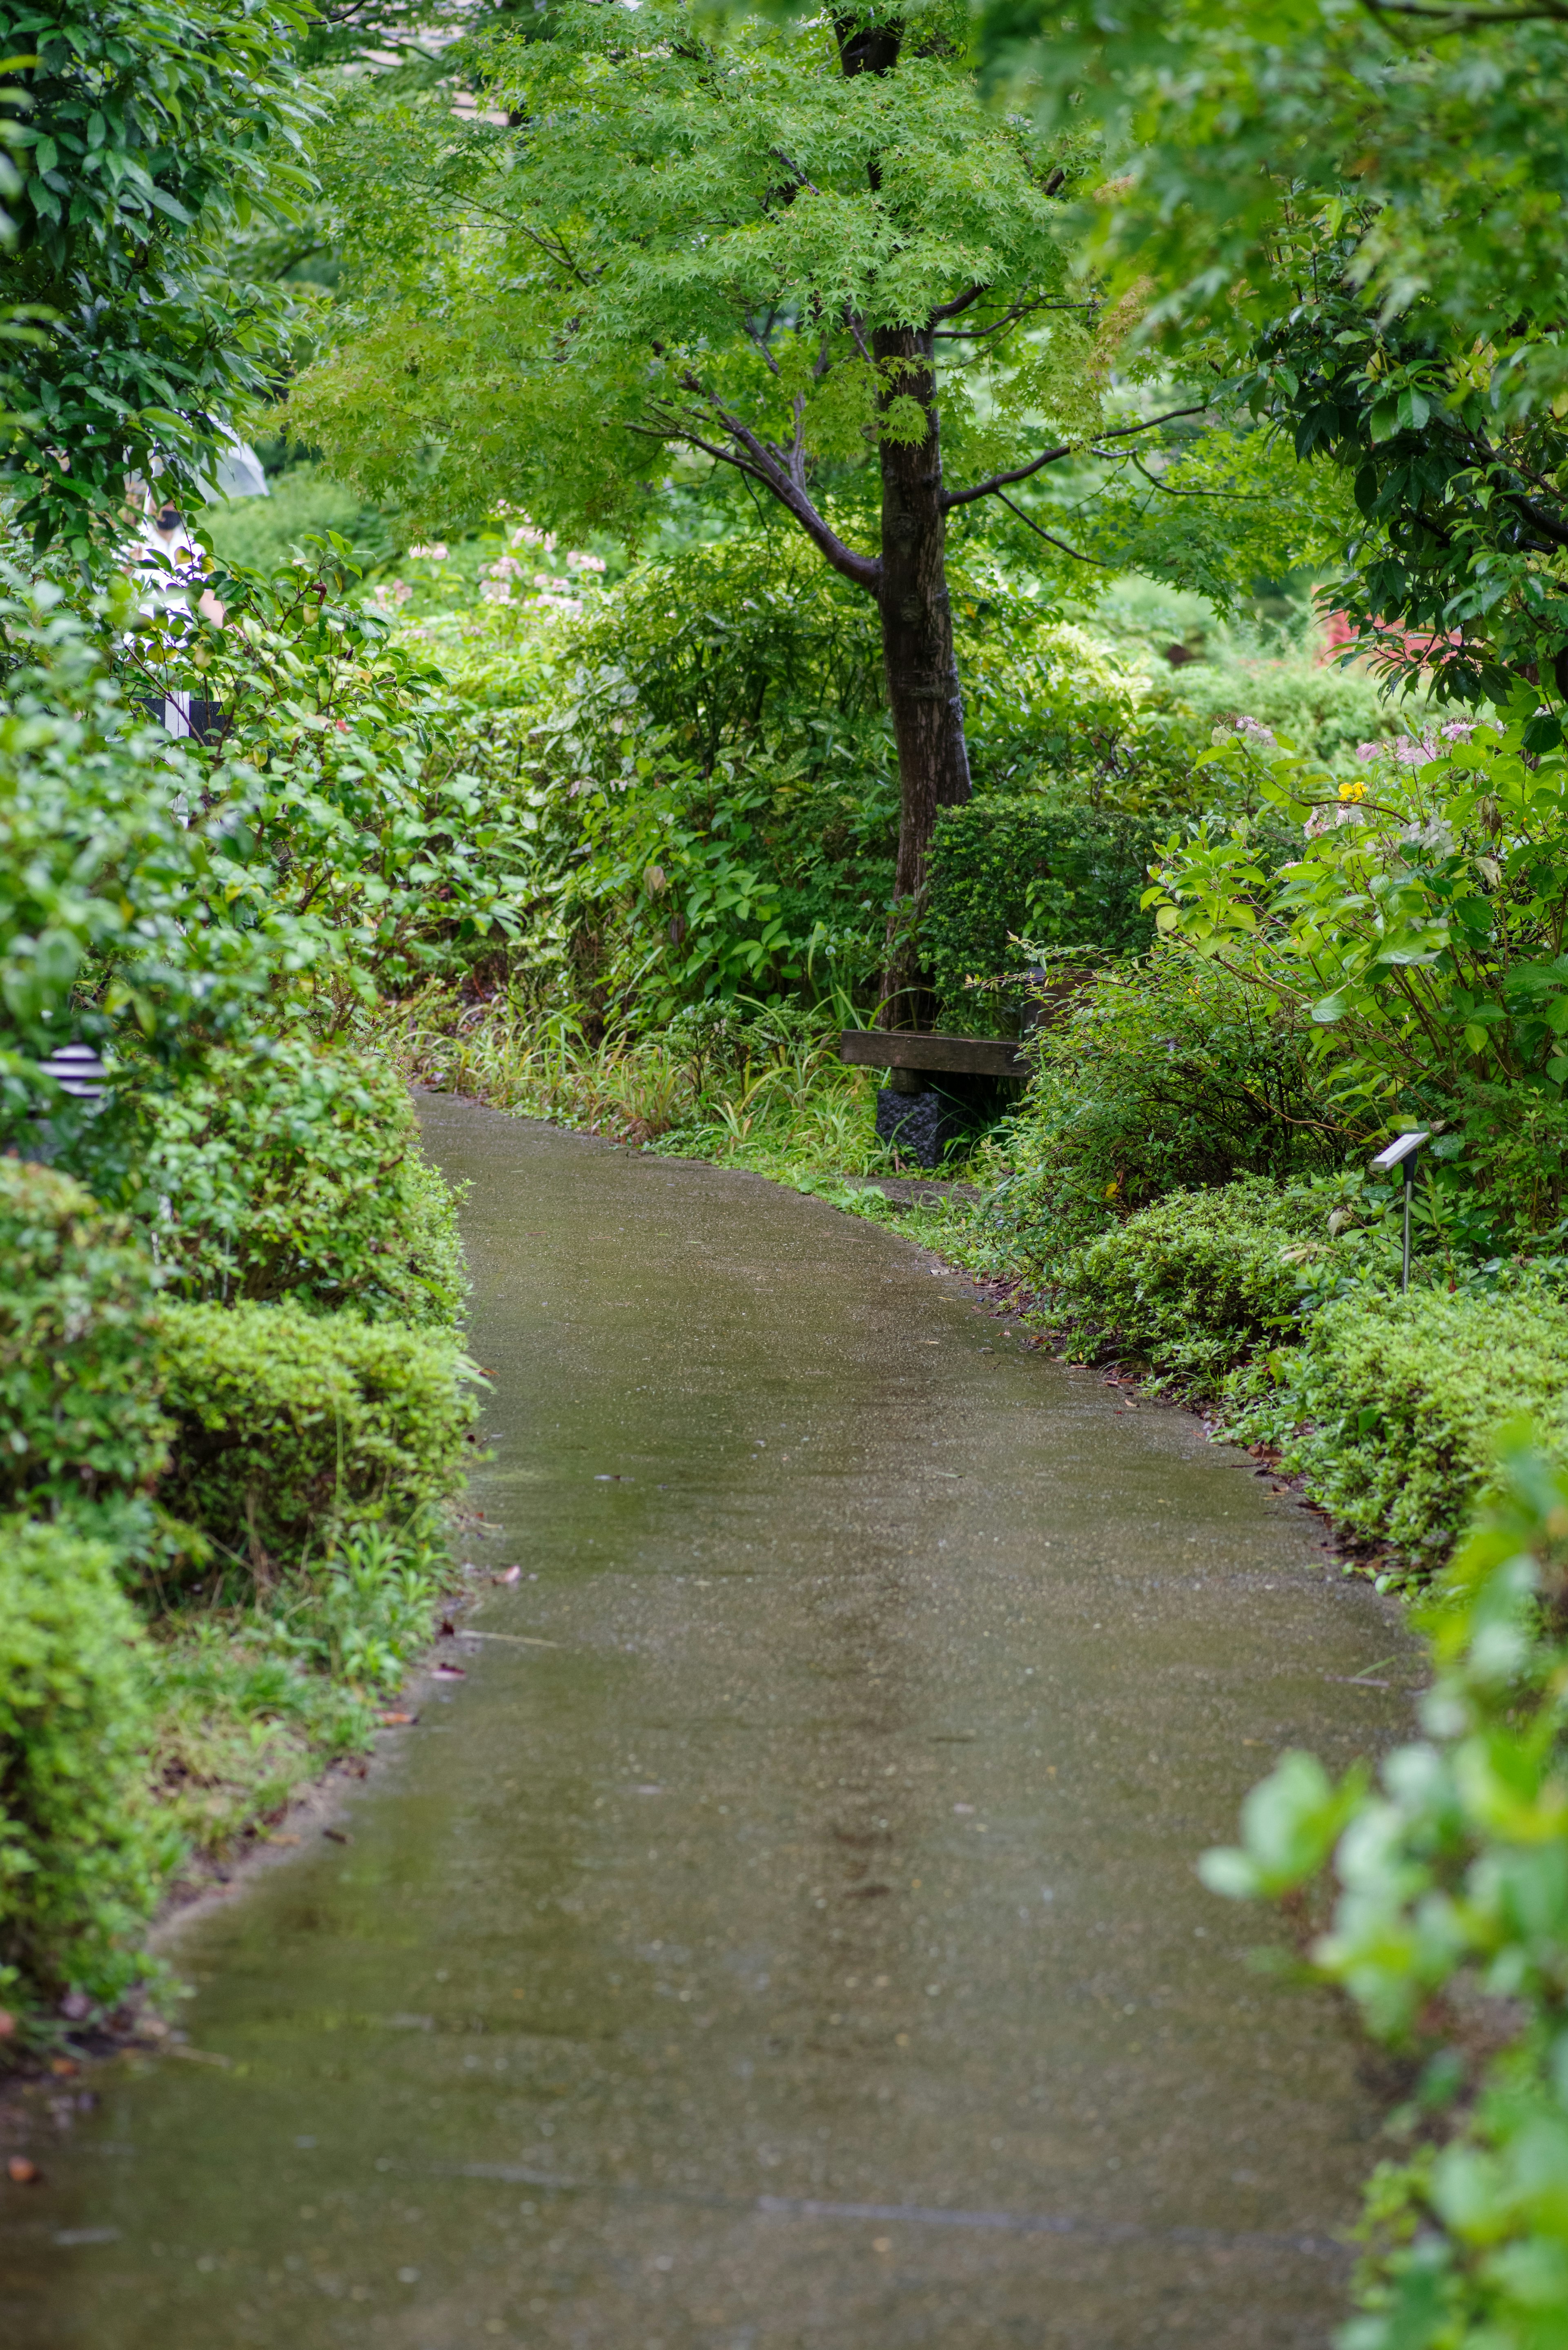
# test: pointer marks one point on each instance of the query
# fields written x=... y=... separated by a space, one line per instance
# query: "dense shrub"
x=289 y=1425
x=1195 y=1283
x=1168 y=1075
x=1015 y=868
x=78 y=1409
x=1449 y=1933
x=80 y=1863
x=1392 y=1406
x=294 y=1170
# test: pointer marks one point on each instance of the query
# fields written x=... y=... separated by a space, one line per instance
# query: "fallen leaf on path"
x=62 y=2068
x=338 y=1835
x=448 y=1628
x=282 y=1839
x=451 y=1673
x=507 y=1574
x=23 y=2173
x=397 y=1720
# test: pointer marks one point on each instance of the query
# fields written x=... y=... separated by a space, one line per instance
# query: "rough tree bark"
x=911 y=594
x=923 y=692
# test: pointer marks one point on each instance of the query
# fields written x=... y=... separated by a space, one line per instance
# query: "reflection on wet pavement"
x=786 y=1937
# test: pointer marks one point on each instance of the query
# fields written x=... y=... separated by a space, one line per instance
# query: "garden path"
x=786 y=1937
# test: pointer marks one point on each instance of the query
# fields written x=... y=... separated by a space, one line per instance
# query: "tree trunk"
x=918 y=650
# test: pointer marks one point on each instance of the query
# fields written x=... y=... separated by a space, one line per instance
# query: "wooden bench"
x=910 y=1048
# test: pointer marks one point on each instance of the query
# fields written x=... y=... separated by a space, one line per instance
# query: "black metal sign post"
x=1403 y=1154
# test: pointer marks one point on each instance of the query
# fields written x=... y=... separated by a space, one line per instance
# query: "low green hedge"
x=78 y=1404
x=294 y=1170
x=287 y=1425
x=1195 y=1283
x=81 y=1859
x=1393 y=1405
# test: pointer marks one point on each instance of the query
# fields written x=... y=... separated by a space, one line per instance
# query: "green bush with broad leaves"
x=121 y=911
x=1391 y=1406
x=289 y=1427
x=328 y=777
x=1196 y=1284
x=1447 y=1877
x=294 y=1170
x=82 y=1859
x=155 y=146
x=80 y=1426
x=1419 y=935
x=1166 y=1074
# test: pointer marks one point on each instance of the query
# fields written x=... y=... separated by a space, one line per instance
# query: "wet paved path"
x=801 y=1950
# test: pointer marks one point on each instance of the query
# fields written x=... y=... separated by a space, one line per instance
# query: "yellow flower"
x=1353 y=791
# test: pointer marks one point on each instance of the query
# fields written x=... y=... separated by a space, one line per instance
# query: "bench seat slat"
x=906 y=1048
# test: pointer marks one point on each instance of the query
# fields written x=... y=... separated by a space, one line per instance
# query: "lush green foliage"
x=1392 y=1404
x=1196 y=1284
x=80 y=1857
x=292 y=1170
x=1422 y=931
x=151 y=138
x=112 y=915
x=1450 y=1932
x=1011 y=871
x=330 y=783
x=79 y=1423
x=486 y=344
x=1360 y=211
x=289 y=1427
x=724 y=1081
x=1166 y=1075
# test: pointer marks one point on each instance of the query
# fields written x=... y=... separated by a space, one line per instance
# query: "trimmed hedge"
x=79 y=1405
x=1197 y=1283
x=288 y=1425
x=1058 y=877
x=1392 y=1407
x=294 y=1170
x=81 y=1860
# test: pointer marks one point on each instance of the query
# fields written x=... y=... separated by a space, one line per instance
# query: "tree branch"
x=951 y=309
x=763 y=465
x=1010 y=318
x=999 y=482
x=1061 y=542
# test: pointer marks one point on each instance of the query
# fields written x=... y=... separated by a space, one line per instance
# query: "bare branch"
x=761 y=342
x=773 y=469
x=1010 y=317
x=1062 y=543
x=999 y=482
x=951 y=309
x=1240 y=497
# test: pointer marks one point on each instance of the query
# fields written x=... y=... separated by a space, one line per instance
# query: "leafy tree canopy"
x=809 y=253
x=152 y=134
x=1361 y=211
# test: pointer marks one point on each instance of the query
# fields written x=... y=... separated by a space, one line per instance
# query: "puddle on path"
x=804 y=1952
